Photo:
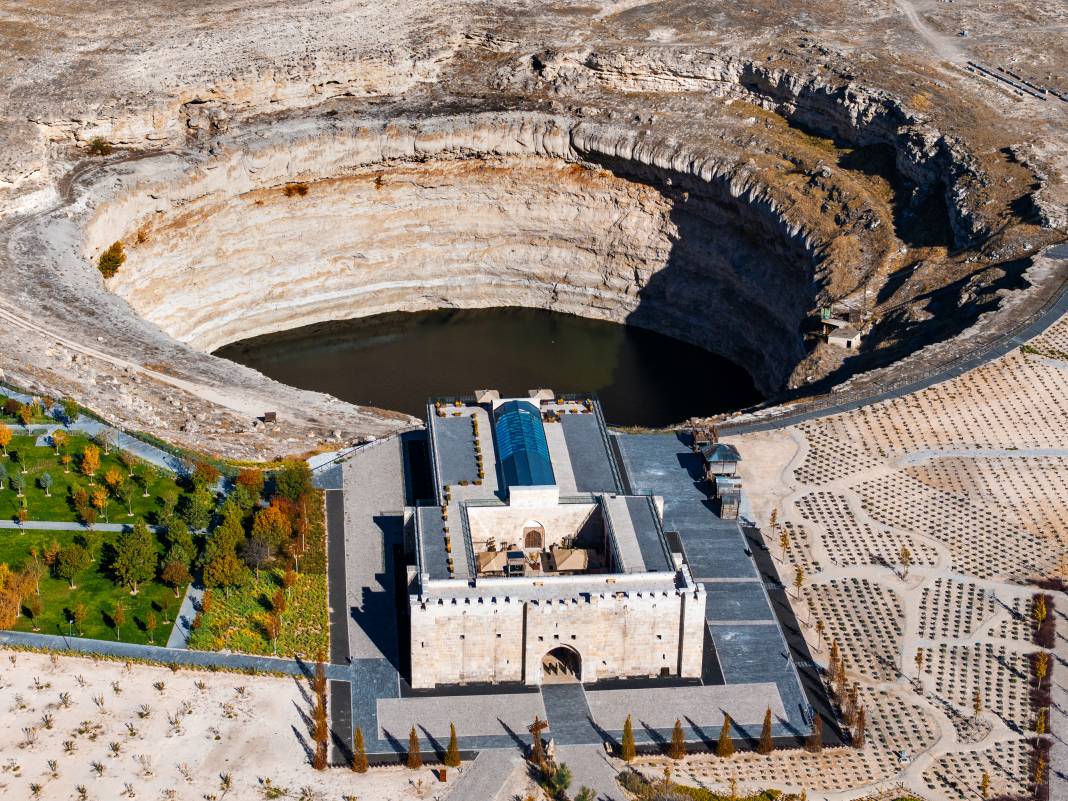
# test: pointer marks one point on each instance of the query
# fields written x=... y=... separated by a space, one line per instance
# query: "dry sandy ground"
x=251 y=728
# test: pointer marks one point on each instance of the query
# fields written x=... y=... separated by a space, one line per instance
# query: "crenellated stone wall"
x=497 y=636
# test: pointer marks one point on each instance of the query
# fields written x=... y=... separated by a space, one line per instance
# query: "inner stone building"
x=532 y=564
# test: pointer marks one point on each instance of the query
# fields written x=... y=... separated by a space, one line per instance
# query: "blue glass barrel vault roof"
x=522 y=449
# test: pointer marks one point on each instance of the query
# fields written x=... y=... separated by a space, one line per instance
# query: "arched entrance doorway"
x=533 y=535
x=561 y=664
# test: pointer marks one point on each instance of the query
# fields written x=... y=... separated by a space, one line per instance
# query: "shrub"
x=295 y=190
x=98 y=146
x=111 y=259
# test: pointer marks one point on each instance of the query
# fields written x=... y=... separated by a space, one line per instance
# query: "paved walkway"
x=590 y=767
x=183 y=621
x=489 y=777
x=916 y=457
x=155 y=653
x=568 y=713
x=92 y=427
x=68 y=525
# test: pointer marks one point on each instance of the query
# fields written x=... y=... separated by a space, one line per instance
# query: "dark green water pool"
x=397 y=361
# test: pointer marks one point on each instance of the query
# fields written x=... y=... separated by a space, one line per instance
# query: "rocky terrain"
x=714 y=172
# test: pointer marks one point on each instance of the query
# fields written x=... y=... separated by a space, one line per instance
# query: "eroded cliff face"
x=494 y=210
x=718 y=194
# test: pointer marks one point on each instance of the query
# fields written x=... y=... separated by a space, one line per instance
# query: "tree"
x=205 y=475
x=19 y=457
x=725 y=746
x=113 y=477
x=3 y=477
x=984 y=786
x=5 y=437
x=129 y=461
x=359 y=752
x=9 y=609
x=627 y=749
x=452 y=753
x=225 y=571
x=105 y=438
x=175 y=574
x=1041 y=666
x=180 y=545
x=99 y=146
x=905 y=557
x=124 y=492
x=861 y=727
x=111 y=260
x=1039 y=610
x=815 y=739
x=51 y=553
x=415 y=759
x=819 y=635
x=65 y=460
x=78 y=615
x=71 y=561
x=150 y=627
x=919 y=661
x=677 y=749
x=273 y=626
x=19 y=483
x=71 y=411
x=135 y=556
x=293 y=480
x=289 y=578
x=90 y=461
x=320 y=732
x=167 y=500
x=278 y=601
x=560 y=780
x=271 y=525
x=59 y=440
x=977 y=703
x=46 y=483
x=766 y=745
x=34 y=608
x=248 y=487
x=799 y=579
x=224 y=539
x=196 y=507
x=144 y=475
x=26 y=413
x=118 y=617
x=99 y=499
x=256 y=553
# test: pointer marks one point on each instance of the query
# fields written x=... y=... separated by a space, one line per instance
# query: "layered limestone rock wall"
x=844 y=110
x=335 y=222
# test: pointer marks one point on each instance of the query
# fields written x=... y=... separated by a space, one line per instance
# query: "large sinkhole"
x=397 y=361
x=666 y=293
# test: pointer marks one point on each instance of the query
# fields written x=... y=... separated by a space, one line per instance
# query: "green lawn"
x=39 y=460
x=95 y=589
